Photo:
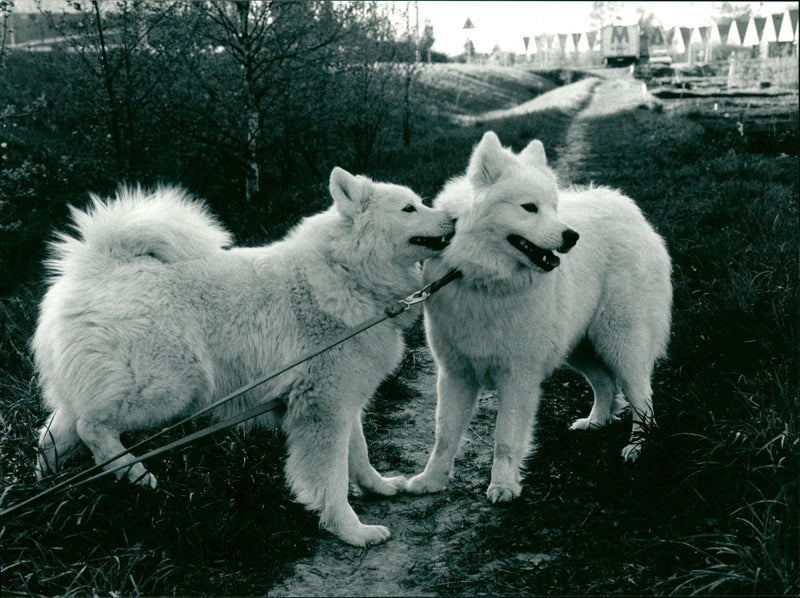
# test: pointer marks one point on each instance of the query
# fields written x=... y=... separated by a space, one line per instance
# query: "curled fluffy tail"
x=167 y=224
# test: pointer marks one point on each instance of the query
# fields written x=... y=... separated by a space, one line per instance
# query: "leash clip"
x=417 y=297
x=421 y=295
x=404 y=304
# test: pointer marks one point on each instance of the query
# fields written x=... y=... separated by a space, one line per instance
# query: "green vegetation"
x=712 y=506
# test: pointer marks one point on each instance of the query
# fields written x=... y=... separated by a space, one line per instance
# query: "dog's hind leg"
x=361 y=471
x=632 y=361
x=103 y=440
x=456 y=397
x=608 y=403
x=639 y=392
x=57 y=439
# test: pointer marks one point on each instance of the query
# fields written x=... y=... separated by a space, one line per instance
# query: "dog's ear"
x=350 y=193
x=534 y=154
x=488 y=162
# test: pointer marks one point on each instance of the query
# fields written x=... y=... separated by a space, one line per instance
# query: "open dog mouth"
x=544 y=259
x=435 y=243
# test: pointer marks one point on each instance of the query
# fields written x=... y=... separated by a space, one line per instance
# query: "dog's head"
x=389 y=220
x=511 y=220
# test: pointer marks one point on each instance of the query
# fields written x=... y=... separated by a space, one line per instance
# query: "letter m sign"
x=619 y=35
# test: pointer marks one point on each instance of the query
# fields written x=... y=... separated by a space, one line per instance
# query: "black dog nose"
x=570 y=237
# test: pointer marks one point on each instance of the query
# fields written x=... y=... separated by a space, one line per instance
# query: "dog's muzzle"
x=434 y=243
x=544 y=258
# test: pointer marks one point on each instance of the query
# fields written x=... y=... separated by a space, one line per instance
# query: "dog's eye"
x=530 y=207
x=409 y=208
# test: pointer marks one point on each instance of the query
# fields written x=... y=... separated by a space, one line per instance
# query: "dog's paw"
x=503 y=492
x=365 y=535
x=619 y=407
x=583 y=423
x=384 y=486
x=423 y=484
x=143 y=479
x=42 y=468
x=392 y=485
x=631 y=452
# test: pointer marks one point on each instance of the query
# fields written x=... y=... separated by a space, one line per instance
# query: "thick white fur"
x=148 y=317
x=605 y=310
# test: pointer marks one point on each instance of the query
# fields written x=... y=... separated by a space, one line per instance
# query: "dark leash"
x=99 y=470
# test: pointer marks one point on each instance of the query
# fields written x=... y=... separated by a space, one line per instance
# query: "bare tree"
x=604 y=13
x=411 y=66
x=382 y=68
x=128 y=48
x=270 y=47
x=6 y=6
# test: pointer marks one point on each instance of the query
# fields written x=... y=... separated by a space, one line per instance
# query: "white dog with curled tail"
x=549 y=276
x=149 y=317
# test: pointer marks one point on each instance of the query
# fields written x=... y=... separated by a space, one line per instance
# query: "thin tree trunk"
x=108 y=79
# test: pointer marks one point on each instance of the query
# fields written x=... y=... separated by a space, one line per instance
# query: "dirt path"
x=425 y=527
x=422 y=526
x=615 y=93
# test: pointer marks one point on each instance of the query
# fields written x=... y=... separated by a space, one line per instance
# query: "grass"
x=472 y=89
x=711 y=508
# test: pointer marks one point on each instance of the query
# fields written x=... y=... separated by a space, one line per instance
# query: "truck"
x=628 y=44
x=621 y=44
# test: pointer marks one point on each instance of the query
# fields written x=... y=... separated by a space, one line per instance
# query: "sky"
x=507 y=22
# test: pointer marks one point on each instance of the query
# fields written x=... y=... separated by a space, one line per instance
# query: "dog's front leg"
x=518 y=401
x=456 y=396
x=361 y=470
x=316 y=470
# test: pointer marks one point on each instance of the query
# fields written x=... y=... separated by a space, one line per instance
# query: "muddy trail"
x=426 y=530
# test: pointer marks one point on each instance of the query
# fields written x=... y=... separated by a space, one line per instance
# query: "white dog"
x=520 y=311
x=149 y=317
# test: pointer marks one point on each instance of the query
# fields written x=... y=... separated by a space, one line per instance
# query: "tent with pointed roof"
x=714 y=36
x=676 y=43
x=584 y=45
x=569 y=44
x=787 y=32
x=755 y=29
x=769 y=33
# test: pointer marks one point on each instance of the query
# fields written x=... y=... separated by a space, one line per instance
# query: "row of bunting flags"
x=754 y=31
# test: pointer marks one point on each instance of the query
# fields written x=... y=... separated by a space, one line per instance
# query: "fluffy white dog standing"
x=149 y=317
x=520 y=311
